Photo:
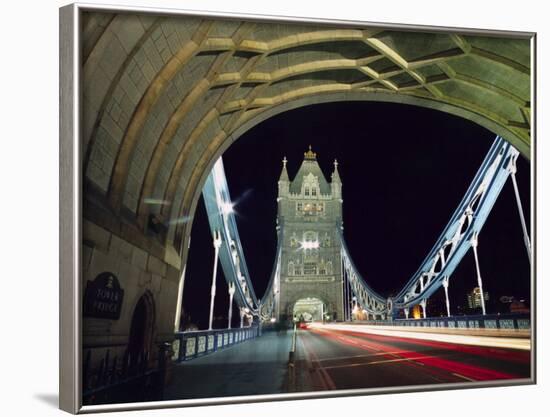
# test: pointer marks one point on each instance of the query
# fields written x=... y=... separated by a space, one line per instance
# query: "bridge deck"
x=257 y=366
x=473 y=337
x=340 y=358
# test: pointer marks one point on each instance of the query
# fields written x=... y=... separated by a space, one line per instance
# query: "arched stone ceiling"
x=163 y=96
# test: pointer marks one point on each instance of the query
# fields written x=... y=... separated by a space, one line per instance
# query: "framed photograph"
x=257 y=208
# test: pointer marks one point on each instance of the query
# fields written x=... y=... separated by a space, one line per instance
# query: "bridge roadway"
x=340 y=356
x=352 y=357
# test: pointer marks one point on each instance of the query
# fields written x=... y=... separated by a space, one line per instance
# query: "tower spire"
x=284 y=173
x=335 y=175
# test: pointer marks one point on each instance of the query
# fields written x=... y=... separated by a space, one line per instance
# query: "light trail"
x=473 y=340
x=434 y=365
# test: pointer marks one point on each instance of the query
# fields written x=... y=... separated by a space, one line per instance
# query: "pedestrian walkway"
x=258 y=366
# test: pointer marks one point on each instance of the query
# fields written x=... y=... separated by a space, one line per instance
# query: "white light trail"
x=473 y=340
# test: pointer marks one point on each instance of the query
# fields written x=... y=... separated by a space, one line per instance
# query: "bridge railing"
x=489 y=321
x=194 y=344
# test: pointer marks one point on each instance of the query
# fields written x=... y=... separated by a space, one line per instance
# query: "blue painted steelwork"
x=269 y=302
x=194 y=344
x=509 y=321
x=367 y=298
x=456 y=239
x=449 y=249
x=222 y=218
x=464 y=226
x=520 y=321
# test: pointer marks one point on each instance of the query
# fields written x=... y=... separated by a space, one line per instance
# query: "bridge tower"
x=309 y=211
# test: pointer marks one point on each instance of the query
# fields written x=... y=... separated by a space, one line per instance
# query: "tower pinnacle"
x=335 y=175
x=310 y=155
x=284 y=173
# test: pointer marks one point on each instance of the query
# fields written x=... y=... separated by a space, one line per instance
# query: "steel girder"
x=369 y=300
x=463 y=228
x=270 y=299
x=457 y=238
x=222 y=219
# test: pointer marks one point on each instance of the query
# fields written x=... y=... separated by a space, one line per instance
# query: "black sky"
x=404 y=170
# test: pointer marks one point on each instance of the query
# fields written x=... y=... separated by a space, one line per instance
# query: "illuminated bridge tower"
x=309 y=211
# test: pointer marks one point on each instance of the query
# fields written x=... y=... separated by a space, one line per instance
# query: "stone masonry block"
x=139 y=258
x=156 y=283
x=100 y=262
x=113 y=58
x=156 y=266
x=121 y=249
x=130 y=32
x=96 y=236
x=145 y=279
x=86 y=256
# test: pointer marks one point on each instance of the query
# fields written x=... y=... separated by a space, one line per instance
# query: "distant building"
x=514 y=305
x=416 y=312
x=474 y=298
x=519 y=306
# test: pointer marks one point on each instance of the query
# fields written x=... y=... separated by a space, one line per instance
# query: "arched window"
x=306 y=191
x=290 y=268
x=329 y=267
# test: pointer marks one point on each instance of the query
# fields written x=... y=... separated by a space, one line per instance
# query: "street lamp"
x=227 y=207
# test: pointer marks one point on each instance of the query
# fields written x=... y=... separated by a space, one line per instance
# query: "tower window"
x=314 y=191
x=306 y=192
x=310 y=268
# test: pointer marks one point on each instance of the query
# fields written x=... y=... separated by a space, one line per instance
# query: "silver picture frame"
x=71 y=192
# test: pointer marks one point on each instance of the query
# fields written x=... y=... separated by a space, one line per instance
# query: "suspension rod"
x=446 y=288
x=526 y=239
x=479 y=281
x=217 y=243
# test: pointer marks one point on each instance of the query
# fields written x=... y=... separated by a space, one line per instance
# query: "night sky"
x=404 y=170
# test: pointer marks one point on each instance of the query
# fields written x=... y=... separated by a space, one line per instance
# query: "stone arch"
x=164 y=97
x=310 y=293
x=310 y=308
x=252 y=68
x=321 y=99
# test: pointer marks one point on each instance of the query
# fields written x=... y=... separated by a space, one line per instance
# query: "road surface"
x=347 y=359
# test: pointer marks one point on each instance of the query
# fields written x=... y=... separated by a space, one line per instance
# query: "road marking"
x=326 y=380
x=464 y=377
x=336 y=358
x=375 y=362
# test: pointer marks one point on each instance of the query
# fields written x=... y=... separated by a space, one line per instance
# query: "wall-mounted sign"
x=103 y=297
